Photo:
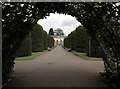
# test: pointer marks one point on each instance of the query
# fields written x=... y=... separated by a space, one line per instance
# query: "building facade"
x=58 y=37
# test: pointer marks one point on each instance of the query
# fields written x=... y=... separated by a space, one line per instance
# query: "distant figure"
x=69 y=50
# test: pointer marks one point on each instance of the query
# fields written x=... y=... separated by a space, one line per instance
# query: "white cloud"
x=66 y=22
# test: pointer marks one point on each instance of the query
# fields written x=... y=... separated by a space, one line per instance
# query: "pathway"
x=58 y=68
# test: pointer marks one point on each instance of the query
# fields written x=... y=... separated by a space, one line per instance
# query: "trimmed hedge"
x=95 y=49
x=40 y=39
x=37 y=38
x=25 y=48
x=77 y=40
x=45 y=40
x=36 y=41
x=50 y=41
x=51 y=31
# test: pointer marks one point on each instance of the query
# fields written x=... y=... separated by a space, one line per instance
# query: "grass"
x=83 y=55
x=34 y=54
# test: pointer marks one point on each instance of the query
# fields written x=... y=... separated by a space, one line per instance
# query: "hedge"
x=37 y=38
x=77 y=39
x=40 y=39
x=25 y=48
x=50 y=41
x=95 y=49
x=36 y=41
x=45 y=40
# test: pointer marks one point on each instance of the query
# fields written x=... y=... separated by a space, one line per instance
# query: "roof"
x=54 y=36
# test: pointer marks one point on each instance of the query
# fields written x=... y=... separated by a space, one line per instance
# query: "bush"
x=37 y=38
x=77 y=40
x=36 y=41
x=50 y=41
x=95 y=50
x=25 y=47
x=80 y=50
x=45 y=42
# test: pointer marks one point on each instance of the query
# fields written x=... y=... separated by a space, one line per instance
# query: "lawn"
x=83 y=55
x=34 y=54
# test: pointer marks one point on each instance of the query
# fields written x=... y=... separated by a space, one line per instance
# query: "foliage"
x=100 y=20
x=50 y=41
x=12 y=34
x=58 y=32
x=77 y=39
x=34 y=54
x=51 y=31
x=25 y=48
x=37 y=38
x=104 y=29
x=45 y=40
x=95 y=50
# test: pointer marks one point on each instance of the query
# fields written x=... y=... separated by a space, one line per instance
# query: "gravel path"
x=58 y=68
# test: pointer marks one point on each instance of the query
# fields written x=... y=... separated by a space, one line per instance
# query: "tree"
x=51 y=31
x=59 y=31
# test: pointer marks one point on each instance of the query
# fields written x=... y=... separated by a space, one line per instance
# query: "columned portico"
x=58 y=40
x=58 y=37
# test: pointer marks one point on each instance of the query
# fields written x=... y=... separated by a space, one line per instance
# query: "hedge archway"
x=100 y=19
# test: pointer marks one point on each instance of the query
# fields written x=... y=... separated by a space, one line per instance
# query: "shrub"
x=25 y=47
x=44 y=40
x=37 y=38
x=95 y=50
x=80 y=50
x=50 y=41
x=77 y=40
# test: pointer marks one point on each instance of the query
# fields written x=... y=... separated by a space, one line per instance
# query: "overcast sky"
x=66 y=22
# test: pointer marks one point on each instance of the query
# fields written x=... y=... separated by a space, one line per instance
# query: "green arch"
x=18 y=19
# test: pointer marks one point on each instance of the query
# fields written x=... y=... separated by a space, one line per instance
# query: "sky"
x=66 y=22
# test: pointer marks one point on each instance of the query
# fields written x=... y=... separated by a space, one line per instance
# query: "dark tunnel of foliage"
x=100 y=19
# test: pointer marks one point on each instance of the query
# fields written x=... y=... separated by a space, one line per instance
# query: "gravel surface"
x=58 y=68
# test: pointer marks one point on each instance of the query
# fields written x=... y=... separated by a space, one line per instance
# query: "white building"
x=58 y=37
